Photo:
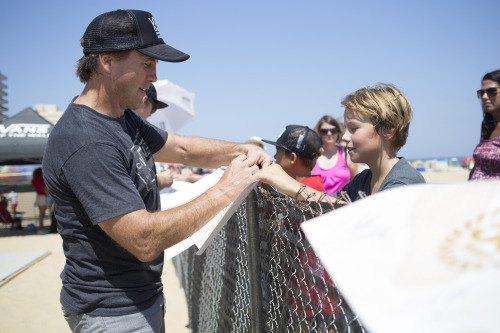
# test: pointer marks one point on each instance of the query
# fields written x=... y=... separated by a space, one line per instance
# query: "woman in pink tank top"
x=334 y=166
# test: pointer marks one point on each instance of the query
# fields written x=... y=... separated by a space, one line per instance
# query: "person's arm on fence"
x=275 y=176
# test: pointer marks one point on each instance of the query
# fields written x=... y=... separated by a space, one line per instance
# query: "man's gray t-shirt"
x=401 y=173
x=98 y=167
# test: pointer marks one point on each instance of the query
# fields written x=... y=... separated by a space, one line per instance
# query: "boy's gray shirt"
x=401 y=174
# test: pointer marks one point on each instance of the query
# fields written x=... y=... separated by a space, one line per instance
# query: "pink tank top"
x=336 y=177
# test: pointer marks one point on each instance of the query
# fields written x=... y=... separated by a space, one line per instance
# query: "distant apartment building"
x=48 y=111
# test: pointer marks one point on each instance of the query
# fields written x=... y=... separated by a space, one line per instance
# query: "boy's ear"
x=293 y=158
x=387 y=133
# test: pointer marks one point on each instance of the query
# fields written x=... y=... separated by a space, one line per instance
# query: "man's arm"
x=208 y=153
x=146 y=234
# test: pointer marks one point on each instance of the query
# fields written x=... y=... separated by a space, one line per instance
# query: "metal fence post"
x=254 y=271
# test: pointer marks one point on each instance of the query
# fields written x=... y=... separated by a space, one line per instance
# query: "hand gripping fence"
x=260 y=273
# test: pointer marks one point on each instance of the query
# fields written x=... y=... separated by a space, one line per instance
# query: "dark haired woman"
x=487 y=152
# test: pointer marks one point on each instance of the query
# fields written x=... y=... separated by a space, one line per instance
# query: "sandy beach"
x=452 y=176
x=29 y=301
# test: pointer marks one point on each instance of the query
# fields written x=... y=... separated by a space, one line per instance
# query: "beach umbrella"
x=180 y=108
x=467 y=159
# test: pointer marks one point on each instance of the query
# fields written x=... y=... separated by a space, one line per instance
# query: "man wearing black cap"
x=297 y=149
x=99 y=169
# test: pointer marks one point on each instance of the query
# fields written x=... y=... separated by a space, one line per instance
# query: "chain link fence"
x=260 y=273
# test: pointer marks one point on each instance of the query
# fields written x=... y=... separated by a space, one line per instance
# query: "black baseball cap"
x=300 y=140
x=151 y=93
x=122 y=30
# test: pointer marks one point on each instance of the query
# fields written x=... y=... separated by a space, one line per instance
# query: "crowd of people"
x=377 y=121
x=99 y=170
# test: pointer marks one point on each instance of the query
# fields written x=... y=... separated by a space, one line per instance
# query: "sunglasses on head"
x=325 y=131
x=489 y=92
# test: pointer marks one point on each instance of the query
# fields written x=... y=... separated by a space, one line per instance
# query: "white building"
x=48 y=111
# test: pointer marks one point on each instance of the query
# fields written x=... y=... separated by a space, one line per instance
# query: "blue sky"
x=257 y=66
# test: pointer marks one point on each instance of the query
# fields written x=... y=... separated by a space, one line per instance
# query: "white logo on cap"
x=299 y=142
x=152 y=20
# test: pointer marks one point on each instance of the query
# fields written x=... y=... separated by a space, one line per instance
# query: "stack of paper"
x=203 y=237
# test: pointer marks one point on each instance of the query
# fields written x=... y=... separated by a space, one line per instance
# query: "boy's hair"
x=385 y=106
x=332 y=121
x=306 y=161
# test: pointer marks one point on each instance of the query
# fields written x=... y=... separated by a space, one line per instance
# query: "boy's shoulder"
x=404 y=172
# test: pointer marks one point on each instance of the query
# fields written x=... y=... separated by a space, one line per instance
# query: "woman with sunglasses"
x=487 y=152
x=334 y=166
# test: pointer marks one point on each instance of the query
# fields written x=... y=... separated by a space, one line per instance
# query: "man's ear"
x=105 y=61
x=293 y=158
x=387 y=133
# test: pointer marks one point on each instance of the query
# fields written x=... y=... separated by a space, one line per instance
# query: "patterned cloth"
x=487 y=159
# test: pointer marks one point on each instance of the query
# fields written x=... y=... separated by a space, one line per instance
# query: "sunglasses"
x=325 y=131
x=489 y=91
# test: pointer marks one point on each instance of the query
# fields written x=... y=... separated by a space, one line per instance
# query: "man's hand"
x=259 y=155
x=238 y=175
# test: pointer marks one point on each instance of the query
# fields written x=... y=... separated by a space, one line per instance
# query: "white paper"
x=203 y=236
x=419 y=258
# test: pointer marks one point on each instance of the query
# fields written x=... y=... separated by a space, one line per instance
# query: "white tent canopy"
x=180 y=108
